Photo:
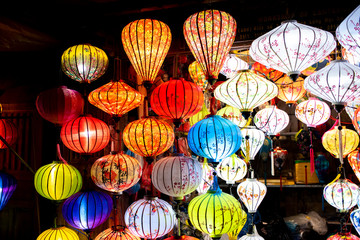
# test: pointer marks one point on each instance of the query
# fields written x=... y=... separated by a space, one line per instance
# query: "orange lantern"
x=8 y=131
x=354 y=161
x=290 y=91
x=264 y=71
x=356 y=119
x=197 y=75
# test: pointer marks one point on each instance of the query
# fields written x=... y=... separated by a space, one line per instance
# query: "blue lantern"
x=214 y=138
x=7 y=187
x=87 y=210
x=355 y=219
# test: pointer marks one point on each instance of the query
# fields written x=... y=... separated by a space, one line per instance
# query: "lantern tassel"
x=312 y=160
x=272 y=158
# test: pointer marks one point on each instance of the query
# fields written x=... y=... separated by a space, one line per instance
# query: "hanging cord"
x=59 y=154
x=341 y=157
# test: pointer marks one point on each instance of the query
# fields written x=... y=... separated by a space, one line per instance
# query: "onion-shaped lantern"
x=245 y=91
x=252 y=236
x=354 y=162
x=148 y=136
x=351 y=107
x=312 y=112
x=268 y=73
x=150 y=218
x=289 y=91
x=116 y=172
x=232 y=65
x=231 y=169
x=177 y=99
x=199 y=115
x=214 y=138
x=84 y=62
x=116 y=234
x=292 y=47
x=197 y=75
x=57 y=180
x=233 y=114
x=234 y=234
x=343 y=236
x=355 y=219
x=58 y=233
x=87 y=210
x=146 y=43
x=271 y=120
x=59 y=105
x=85 y=134
x=342 y=194
x=176 y=175
x=210 y=35
x=252 y=141
x=207 y=178
x=252 y=193
x=9 y=131
x=7 y=187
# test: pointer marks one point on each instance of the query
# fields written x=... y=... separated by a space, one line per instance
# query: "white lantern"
x=312 y=112
x=252 y=236
x=231 y=169
x=251 y=193
x=351 y=107
x=233 y=114
x=271 y=120
x=232 y=65
x=207 y=178
x=252 y=141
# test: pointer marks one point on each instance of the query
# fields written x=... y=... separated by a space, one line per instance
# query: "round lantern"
x=84 y=63
x=343 y=236
x=342 y=194
x=176 y=175
x=148 y=136
x=200 y=115
x=87 y=210
x=312 y=112
x=251 y=192
x=214 y=138
x=252 y=141
x=245 y=91
x=116 y=172
x=177 y=99
x=8 y=131
x=57 y=180
x=85 y=134
x=271 y=120
x=146 y=43
x=233 y=114
x=354 y=161
x=355 y=219
x=351 y=107
x=116 y=98
x=7 y=187
x=207 y=178
x=290 y=92
x=232 y=65
x=268 y=73
x=116 y=234
x=197 y=75
x=58 y=233
x=231 y=169
x=210 y=35
x=59 y=105
x=150 y=218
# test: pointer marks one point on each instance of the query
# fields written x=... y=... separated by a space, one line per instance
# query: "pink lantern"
x=343 y=236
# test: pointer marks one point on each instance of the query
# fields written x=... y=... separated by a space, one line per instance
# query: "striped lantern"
x=355 y=219
x=354 y=161
x=253 y=139
x=356 y=120
x=8 y=184
x=252 y=193
x=57 y=181
x=200 y=115
x=231 y=169
x=207 y=178
x=116 y=234
x=233 y=114
x=269 y=73
x=232 y=65
x=58 y=233
x=289 y=91
x=312 y=112
x=9 y=131
x=271 y=120
x=351 y=107
x=197 y=75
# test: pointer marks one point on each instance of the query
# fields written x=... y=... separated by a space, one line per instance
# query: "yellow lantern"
x=289 y=91
x=58 y=233
x=200 y=115
x=197 y=75
x=233 y=114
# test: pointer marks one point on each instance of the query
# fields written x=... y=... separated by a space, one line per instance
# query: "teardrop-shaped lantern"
x=210 y=35
x=84 y=63
x=245 y=91
x=115 y=233
x=232 y=65
x=266 y=72
x=207 y=178
x=197 y=75
x=271 y=120
x=9 y=131
x=252 y=141
x=312 y=112
x=252 y=193
x=8 y=184
x=58 y=233
x=199 y=115
x=233 y=114
x=351 y=107
x=355 y=219
x=292 y=47
x=231 y=169
x=146 y=43
x=289 y=91
x=354 y=162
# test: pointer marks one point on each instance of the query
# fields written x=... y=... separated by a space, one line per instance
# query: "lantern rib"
x=136 y=56
x=46 y=180
x=199 y=150
x=90 y=65
x=273 y=50
x=203 y=52
x=222 y=211
x=214 y=52
x=216 y=142
x=77 y=66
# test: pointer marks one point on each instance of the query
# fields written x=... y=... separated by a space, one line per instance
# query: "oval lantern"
x=87 y=210
x=207 y=178
x=177 y=99
x=57 y=181
x=176 y=175
x=271 y=120
x=58 y=233
x=233 y=114
x=9 y=131
x=85 y=134
x=232 y=65
x=150 y=218
x=210 y=35
x=197 y=75
x=116 y=234
x=312 y=112
x=355 y=219
x=200 y=115
x=214 y=138
x=354 y=161
x=84 y=63
x=290 y=92
x=231 y=169
x=116 y=172
x=59 y=105
x=268 y=73
x=252 y=193
x=8 y=184
x=146 y=43
x=253 y=139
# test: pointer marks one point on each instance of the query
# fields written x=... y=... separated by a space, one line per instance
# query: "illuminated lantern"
x=176 y=175
x=343 y=236
x=8 y=131
x=316 y=66
x=354 y=161
x=356 y=120
x=146 y=43
x=57 y=180
x=252 y=141
x=290 y=92
x=210 y=35
x=342 y=194
x=150 y=218
x=85 y=134
x=252 y=236
x=232 y=65
x=148 y=137
x=355 y=219
x=177 y=99
x=351 y=107
x=245 y=91
x=183 y=237
x=87 y=210
x=197 y=75
x=8 y=185
x=84 y=63
x=268 y=73
x=271 y=120
x=116 y=234
x=116 y=98
x=251 y=192
x=199 y=115
x=214 y=138
x=352 y=58
x=207 y=178
x=234 y=234
x=231 y=169
x=233 y=114
x=58 y=233
x=292 y=47
x=59 y=105
x=116 y=172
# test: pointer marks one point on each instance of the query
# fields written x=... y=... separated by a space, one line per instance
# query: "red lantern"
x=177 y=99
x=59 y=105
x=8 y=131
x=85 y=134
x=264 y=71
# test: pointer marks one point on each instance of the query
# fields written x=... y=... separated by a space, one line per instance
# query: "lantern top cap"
x=288 y=21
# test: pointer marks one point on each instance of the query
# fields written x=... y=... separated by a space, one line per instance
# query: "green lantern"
x=57 y=180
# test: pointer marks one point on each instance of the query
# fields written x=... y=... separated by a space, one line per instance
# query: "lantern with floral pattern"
x=232 y=65
x=197 y=75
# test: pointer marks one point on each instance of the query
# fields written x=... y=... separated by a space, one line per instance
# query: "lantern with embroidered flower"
x=207 y=178
x=252 y=141
x=252 y=193
x=231 y=169
x=351 y=108
x=197 y=75
x=232 y=65
x=233 y=114
x=289 y=91
x=252 y=236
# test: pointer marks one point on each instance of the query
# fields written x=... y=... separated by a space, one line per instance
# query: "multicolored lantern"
x=8 y=184
x=343 y=236
x=207 y=178
x=210 y=35
x=9 y=131
x=116 y=234
x=355 y=219
x=197 y=75
x=58 y=233
x=252 y=141
x=231 y=169
x=289 y=91
x=354 y=161
x=251 y=192
x=200 y=115
x=233 y=114
x=268 y=73
x=146 y=43
x=84 y=63
x=232 y=65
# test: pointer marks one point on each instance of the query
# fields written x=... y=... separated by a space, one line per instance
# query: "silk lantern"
x=354 y=162
x=252 y=193
x=351 y=57
x=317 y=66
x=87 y=210
x=214 y=138
x=356 y=120
x=176 y=99
x=9 y=131
x=232 y=65
x=84 y=63
x=264 y=71
x=207 y=178
x=8 y=184
x=116 y=234
x=58 y=233
x=183 y=237
x=85 y=134
x=233 y=114
x=210 y=35
x=231 y=169
x=116 y=172
x=252 y=141
x=176 y=175
x=57 y=181
x=355 y=219
x=150 y=218
x=343 y=236
x=290 y=92
x=351 y=107
x=252 y=236
x=199 y=115
x=146 y=43
x=59 y=105
x=245 y=91
x=292 y=47
x=197 y=75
